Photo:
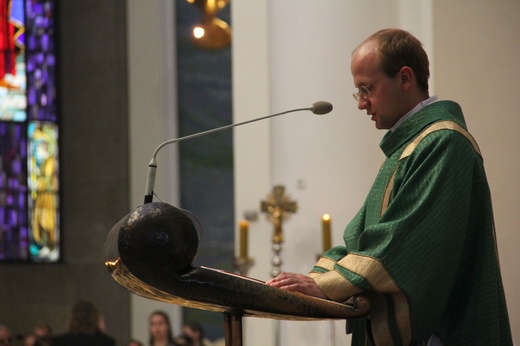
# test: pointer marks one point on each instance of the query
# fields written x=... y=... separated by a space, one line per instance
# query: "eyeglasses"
x=364 y=91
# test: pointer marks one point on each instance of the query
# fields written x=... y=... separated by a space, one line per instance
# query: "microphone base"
x=148 y=199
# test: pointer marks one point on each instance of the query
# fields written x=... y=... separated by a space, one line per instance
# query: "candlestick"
x=244 y=225
x=326 y=232
x=243 y=264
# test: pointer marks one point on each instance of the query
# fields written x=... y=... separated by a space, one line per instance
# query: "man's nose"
x=362 y=103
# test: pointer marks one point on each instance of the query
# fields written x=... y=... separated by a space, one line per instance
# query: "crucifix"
x=278 y=206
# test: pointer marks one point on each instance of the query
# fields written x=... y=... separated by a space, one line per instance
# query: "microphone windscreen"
x=321 y=107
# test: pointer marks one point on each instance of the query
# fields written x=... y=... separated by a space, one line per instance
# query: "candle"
x=325 y=220
x=243 y=238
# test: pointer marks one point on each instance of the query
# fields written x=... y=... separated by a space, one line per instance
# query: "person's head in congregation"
x=83 y=327
x=84 y=318
x=133 y=342
x=195 y=332
x=41 y=336
x=5 y=336
x=160 y=329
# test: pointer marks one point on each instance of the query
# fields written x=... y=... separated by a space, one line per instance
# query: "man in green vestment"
x=422 y=247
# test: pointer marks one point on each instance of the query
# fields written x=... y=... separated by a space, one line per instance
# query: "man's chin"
x=376 y=121
x=381 y=125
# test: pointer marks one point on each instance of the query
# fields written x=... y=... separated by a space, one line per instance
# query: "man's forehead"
x=366 y=53
x=365 y=62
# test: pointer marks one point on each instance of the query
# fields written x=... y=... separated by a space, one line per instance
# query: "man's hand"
x=297 y=282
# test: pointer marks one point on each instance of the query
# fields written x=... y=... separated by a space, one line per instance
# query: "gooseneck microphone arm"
x=319 y=107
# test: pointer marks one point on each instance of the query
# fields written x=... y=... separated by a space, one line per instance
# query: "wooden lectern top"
x=220 y=291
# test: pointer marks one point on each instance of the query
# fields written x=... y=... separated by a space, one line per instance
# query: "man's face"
x=384 y=102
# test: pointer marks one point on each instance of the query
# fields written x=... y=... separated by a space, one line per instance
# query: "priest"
x=422 y=247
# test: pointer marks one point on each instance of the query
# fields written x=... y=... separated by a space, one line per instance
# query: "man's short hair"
x=398 y=48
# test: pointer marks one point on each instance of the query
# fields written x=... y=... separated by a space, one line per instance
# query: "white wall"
x=288 y=54
x=252 y=155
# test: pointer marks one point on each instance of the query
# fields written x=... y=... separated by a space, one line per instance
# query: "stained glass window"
x=29 y=160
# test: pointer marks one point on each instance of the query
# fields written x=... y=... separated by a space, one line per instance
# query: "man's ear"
x=406 y=77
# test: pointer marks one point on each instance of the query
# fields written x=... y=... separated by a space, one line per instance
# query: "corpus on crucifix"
x=278 y=206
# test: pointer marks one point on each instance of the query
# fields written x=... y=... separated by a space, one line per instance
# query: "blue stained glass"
x=16 y=167
x=13 y=219
x=27 y=93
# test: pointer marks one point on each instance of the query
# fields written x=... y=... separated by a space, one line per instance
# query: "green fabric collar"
x=440 y=110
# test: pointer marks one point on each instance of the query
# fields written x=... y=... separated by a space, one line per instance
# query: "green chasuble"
x=422 y=247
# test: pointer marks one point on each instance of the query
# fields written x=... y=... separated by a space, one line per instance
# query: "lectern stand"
x=233 y=325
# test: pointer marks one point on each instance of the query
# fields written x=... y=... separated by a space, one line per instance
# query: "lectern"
x=151 y=251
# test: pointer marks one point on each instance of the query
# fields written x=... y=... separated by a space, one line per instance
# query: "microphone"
x=318 y=107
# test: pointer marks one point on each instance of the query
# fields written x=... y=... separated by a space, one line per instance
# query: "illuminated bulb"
x=198 y=32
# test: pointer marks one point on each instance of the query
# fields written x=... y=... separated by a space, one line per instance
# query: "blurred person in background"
x=133 y=342
x=5 y=336
x=84 y=328
x=41 y=336
x=195 y=332
x=160 y=329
